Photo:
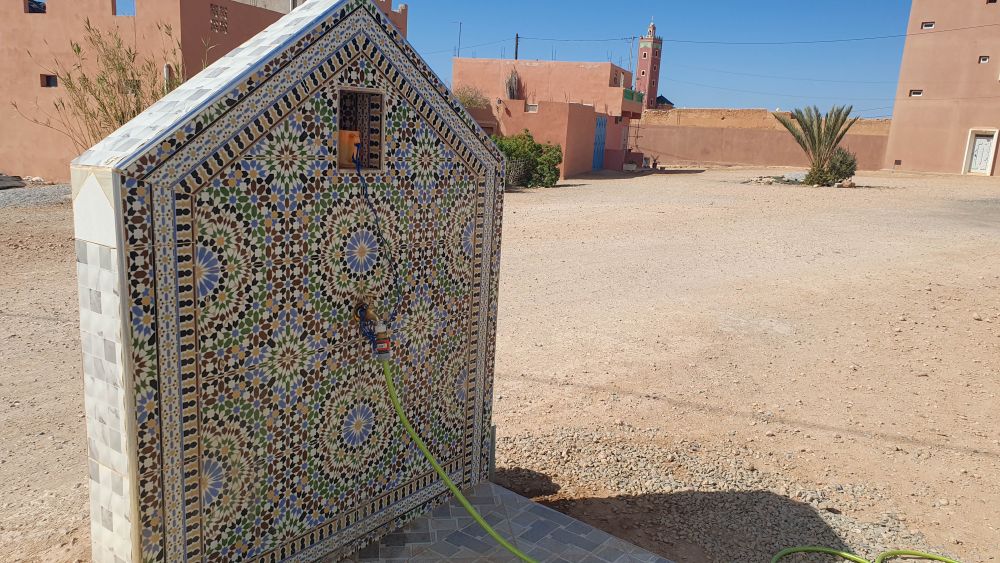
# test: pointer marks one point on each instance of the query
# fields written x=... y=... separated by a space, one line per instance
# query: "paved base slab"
x=450 y=534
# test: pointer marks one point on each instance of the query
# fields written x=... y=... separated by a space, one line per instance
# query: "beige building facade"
x=947 y=112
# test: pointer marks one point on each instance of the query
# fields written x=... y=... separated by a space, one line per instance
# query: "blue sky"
x=860 y=73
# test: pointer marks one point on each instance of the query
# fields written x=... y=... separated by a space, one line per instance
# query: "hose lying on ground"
x=851 y=557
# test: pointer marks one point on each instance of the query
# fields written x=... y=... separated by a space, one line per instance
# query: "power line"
x=467 y=47
x=823 y=41
x=771 y=93
x=782 y=77
x=584 y=40
x=766 y=43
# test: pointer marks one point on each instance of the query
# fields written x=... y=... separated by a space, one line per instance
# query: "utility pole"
x=517 y=45
x=631 y=47
x=458 y=52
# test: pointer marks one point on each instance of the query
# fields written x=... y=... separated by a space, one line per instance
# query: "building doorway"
x=600 y=137
x=980 y=152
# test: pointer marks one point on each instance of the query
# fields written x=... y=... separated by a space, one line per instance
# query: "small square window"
x=532 y=108
x=123 y=7
x=35 y=6
x=359 y=121
x=49 y=81
x=927 y=25
x=991 y=1
x=916 y=93
x=984 y=59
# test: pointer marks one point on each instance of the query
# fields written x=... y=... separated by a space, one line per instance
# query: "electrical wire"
x=379 y=236
x=768 y=43
x=467 y=47
x=770 y=93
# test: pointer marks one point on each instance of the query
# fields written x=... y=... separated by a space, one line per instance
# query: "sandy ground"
x=848 y=336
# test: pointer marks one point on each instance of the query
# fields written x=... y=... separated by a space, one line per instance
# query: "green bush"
x=818 y=176
x=843 y=165
x=547 y=169
x=538 y=164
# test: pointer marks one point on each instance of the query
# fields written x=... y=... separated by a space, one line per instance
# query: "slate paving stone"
x=448 y=533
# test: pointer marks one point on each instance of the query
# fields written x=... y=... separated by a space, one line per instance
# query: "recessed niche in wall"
x=359 y=125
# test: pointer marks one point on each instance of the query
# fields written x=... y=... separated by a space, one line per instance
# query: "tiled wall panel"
x=255 y=423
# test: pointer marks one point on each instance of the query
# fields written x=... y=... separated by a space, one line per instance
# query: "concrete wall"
x=931 y=133
x=47 y=37
x=722 y=136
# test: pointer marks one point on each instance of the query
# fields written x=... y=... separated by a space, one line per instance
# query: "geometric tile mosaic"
x=252 y=422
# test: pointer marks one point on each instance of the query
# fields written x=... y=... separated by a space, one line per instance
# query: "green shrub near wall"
x=530 y=163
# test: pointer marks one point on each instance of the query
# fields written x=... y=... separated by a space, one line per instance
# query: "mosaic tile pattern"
x=448 y=533
x=262 y=428
x=104 y=400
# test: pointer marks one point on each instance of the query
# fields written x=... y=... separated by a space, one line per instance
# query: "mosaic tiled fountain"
x=224 y=241
x=233 y=410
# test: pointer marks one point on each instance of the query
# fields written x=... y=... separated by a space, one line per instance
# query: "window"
x=991 y=1
x=984 y=59
x=219 y=21
x=359 y=116
x=532 y=108
x=642 y=73
x=618 y=120
x=34 y=6
x=927 y=25
x=645 y=55
x=123 y=7
x=49 y=81
x=916 y=93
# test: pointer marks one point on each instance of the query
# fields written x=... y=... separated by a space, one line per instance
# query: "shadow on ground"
x=690 y=526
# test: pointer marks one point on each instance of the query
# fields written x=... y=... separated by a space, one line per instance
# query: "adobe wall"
x=28 y=149
x=754 y=137
x=571 y=126
x=547 y=81
x=47 y=36
x=202 y=45
x=931 y=132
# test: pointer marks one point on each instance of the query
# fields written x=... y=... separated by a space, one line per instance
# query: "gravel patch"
x=690 y=502
x=35 y=195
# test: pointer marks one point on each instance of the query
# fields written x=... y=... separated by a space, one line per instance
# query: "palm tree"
x=818 y=135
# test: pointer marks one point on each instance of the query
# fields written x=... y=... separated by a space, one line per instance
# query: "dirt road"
x=665 y=342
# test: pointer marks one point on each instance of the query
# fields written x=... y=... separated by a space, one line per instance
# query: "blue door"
x=600 y=135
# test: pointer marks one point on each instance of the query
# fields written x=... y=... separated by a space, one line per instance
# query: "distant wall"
x=725 y=136
x=202 y=45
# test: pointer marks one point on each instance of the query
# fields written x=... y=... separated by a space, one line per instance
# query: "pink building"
x=39 y=32
x=947 y=114
x=585 y=108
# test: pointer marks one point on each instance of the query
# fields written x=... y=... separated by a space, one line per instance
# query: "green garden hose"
x=842 y=554
x=882 y=558
x=907 y=553
x=394 y=397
